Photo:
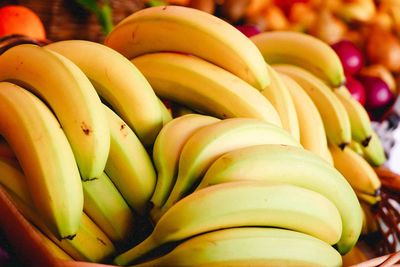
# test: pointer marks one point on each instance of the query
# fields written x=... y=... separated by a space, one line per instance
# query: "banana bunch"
x=181 y=142
x=73 y=167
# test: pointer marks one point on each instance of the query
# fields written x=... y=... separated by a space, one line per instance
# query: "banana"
x=89 y=244
x=222 y=206
x=356 y=170
x=356 y=147
x=71 y=96
x=360 y=123
x=307 y=170
x=203 y=86
x=111 y=212
x=191 y=31
x=167 y=149
x=312 y=131
x=45 y=155
x=166 y=114
x=279 y=96
x=119 y=83
x=250 y=246
x=374 y=153
x=129 y=166
x=368 y=199
x=333 y=113
x=210 y=142
x=303 y=50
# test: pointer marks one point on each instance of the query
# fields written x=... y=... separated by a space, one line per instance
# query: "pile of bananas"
x=258 y=164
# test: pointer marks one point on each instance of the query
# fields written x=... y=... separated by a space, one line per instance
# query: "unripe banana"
x=210 y=142
x=270 y=163
x=167 y=149
x=223 y=206
x=250 y=246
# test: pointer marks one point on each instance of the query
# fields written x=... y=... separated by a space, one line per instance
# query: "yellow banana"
x=167 y=149
x=187 y=30
x=303 y=50
x=46 y=158
x=279 y=96
x=89 y=244
x=104 y=204
x=203 y=86
x=223 y=206
x=356 y=170
x=119 y=83
x=71 y=96
x=250 y=246
x=334 y=115
x=374 y=153
x=129 y=166
x=307 y=170
x=210 y=142
x=361 y=129
x=312 y=131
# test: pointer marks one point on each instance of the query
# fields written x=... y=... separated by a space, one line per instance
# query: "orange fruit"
x=21 y=20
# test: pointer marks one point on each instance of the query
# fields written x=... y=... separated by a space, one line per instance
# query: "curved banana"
x=70 y=95
x=191 y=31
x=89 y=244
x=119 y=83
x=210 y=142
x=356 y=170
x=333 y=113
x=374 y=153
x=307 y=170
x=312 y=131
x=303 y=50
x=279 y=96
x=361 y=129
x=104 y=204
x=203 y=86
x=250 y=246
x=167 y=149
x=129 y=166
x=46 y=158
x=222 y=206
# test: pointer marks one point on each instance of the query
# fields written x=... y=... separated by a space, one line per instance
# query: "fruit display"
x=180 y=141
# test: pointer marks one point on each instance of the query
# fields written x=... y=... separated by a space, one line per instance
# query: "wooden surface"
x=64 y=19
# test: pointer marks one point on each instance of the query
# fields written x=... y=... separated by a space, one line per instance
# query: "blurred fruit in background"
x=21 y=20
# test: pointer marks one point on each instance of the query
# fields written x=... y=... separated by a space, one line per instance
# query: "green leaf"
x=103 y=13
